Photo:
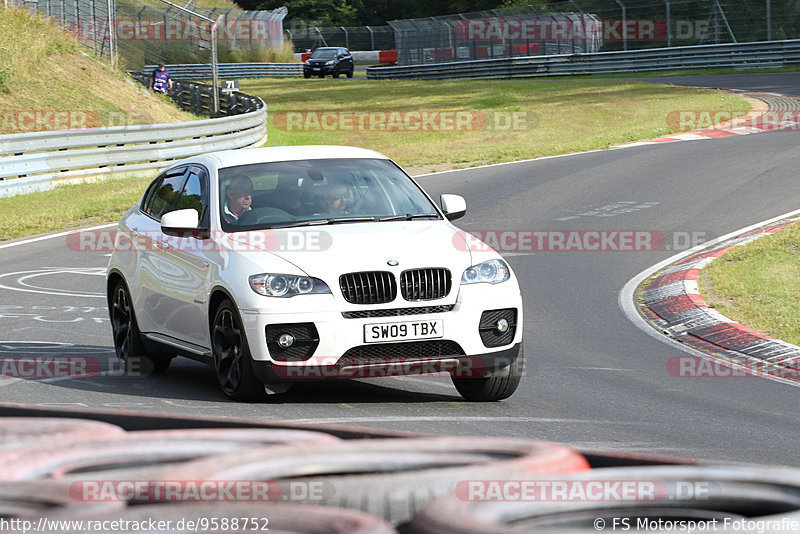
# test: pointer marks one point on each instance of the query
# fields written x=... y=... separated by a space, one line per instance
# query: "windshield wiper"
x=321 y=222
x=407 y=217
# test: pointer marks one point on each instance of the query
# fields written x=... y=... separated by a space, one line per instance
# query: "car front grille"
x=398 y=352
x=425 y=284
x=373 y=287
x=397 y=312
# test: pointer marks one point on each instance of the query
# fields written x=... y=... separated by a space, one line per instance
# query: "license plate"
x=315 y=68
x=381 y=332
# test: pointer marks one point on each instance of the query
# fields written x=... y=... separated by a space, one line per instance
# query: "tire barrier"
x=139 y=454
x=227 y=518
x=202 y=479
x=38 y=498
x=737 y=494
x=16 y=432
x=391 y=479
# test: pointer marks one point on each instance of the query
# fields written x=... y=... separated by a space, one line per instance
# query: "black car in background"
x=333 y=60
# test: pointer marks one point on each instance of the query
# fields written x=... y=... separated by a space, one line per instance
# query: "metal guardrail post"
x=769 y=20
x=669 y=24
x=624 y=25
x=214 y=68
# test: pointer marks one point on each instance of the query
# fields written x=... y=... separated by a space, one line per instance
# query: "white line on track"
x=53 y=236
x=27 y=288
x=398 y=418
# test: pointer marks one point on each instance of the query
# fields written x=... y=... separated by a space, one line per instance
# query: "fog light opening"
x=501 y=326
x=286 y=340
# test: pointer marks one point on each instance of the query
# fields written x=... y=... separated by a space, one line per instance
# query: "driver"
x=337 y=199
x=238 y=198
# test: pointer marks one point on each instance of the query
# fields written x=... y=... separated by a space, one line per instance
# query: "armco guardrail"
x=747 y=55
x=231 y=70
x=36 y=161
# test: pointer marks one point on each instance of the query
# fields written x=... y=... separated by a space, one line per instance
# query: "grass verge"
x=508 y=119
x=757 y=284
x=554 y=117
x=68 y=206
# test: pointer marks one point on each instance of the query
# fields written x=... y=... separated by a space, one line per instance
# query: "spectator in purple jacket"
x=160 y=81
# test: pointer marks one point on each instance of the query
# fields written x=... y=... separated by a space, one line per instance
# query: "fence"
x=140 y=32
x=36 y=161
x=565 y=27
x=743 y=55
x=306 y=36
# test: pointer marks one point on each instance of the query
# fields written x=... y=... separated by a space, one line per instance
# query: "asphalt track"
x=593 y=380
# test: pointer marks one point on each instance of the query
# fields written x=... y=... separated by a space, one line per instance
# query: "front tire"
x=232 y=360
x=350 y=73
x=495 y=386
x=128 y=339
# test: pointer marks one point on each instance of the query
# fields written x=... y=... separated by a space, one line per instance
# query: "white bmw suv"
x=286 y=264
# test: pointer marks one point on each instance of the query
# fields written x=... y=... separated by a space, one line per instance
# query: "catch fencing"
x=134 y=33
x=743 y=55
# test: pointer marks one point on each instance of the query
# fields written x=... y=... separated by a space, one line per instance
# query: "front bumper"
x=474 y=366
x=460 y=348
x=316 y=70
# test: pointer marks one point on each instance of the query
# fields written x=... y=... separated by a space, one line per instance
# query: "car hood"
x=328 y=251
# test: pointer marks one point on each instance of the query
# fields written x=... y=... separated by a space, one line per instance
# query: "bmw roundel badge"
x=393 y=263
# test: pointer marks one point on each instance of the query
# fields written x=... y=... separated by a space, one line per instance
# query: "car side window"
x=195 y=195
x=165 y=197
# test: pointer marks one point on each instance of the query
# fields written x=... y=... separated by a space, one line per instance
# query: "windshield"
x=324 y=191
x=326 y=53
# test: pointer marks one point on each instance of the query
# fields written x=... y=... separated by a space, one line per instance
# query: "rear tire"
x=497 y=385
x=128 y=339
x=232 y=360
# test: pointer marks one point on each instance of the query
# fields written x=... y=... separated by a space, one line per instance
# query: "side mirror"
x=453 y=206
x=180 y=221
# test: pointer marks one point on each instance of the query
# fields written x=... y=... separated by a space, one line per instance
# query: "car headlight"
x=331 y=62
x=286 y=285
x=491 y=272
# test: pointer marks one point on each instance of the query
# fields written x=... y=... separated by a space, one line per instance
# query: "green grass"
x=557 y=117
x=757 y=284
x=68 y=206
x=43 y=69
x=554 y=116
